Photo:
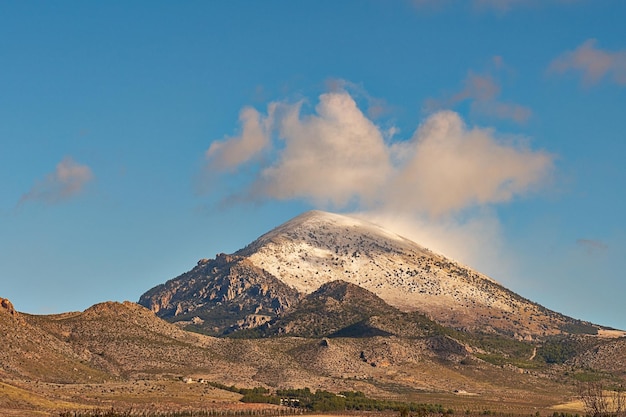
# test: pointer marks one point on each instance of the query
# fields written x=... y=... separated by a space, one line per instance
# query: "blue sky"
x=136 y=138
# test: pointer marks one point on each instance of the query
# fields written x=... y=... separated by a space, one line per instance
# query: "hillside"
x=29 y=351
x=122 y=354
x=341 y=309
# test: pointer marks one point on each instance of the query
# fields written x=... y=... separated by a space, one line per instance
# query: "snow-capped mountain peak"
x=317 y=247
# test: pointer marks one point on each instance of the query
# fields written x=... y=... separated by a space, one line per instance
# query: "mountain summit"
x=316 y=248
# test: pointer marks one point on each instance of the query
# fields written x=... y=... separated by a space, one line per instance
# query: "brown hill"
x=122 y=354
x=30 y=352
x=127 y=340
x=342 y=309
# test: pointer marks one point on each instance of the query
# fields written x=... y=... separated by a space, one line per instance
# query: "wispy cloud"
x=254 y=138
x=500 y=6
x=430 y=5
x=483 y=91
x=475 y=239
x=592 y=63
x=592 y=246
x=66 y=181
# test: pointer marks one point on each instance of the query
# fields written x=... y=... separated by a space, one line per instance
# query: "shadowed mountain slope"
x=342 y=309
x=220 y=296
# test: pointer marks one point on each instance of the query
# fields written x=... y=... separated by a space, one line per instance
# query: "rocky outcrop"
x=609 y=356
x=220 y=296
x=7 y=307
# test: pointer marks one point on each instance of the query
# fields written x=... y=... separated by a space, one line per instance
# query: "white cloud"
x=450 y=168
x=592 y=63
x=254 y=138
x=67 y=180
x=337 y=156
x=332 y=157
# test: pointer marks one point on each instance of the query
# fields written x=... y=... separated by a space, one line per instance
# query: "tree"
x=600 y=402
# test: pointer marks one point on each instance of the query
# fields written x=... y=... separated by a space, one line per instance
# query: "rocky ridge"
x=7 y=307
x=342 y=309
x=333 y=307
x=220 y=296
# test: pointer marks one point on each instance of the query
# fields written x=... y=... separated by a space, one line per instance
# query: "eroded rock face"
x=7 y=307
x=221 y=295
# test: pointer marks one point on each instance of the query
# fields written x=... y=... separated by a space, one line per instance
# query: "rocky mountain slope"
x=221 y=295
x=317 y=247
x=297 y=258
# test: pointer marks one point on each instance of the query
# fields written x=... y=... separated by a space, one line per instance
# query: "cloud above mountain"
x=337 y=157
x=447 y=167
x=67 y=180
x=437 y=186
x=331 y=157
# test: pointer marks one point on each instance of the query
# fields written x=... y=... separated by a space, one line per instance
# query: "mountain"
x=297 y=258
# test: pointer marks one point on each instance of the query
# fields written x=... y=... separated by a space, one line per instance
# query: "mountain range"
x=323 y=301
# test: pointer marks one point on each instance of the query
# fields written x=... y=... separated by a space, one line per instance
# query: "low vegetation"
x=321 y=400
x=559 y=350
x=195 y=413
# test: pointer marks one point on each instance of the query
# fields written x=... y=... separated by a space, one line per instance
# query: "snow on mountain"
x=317 y=247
